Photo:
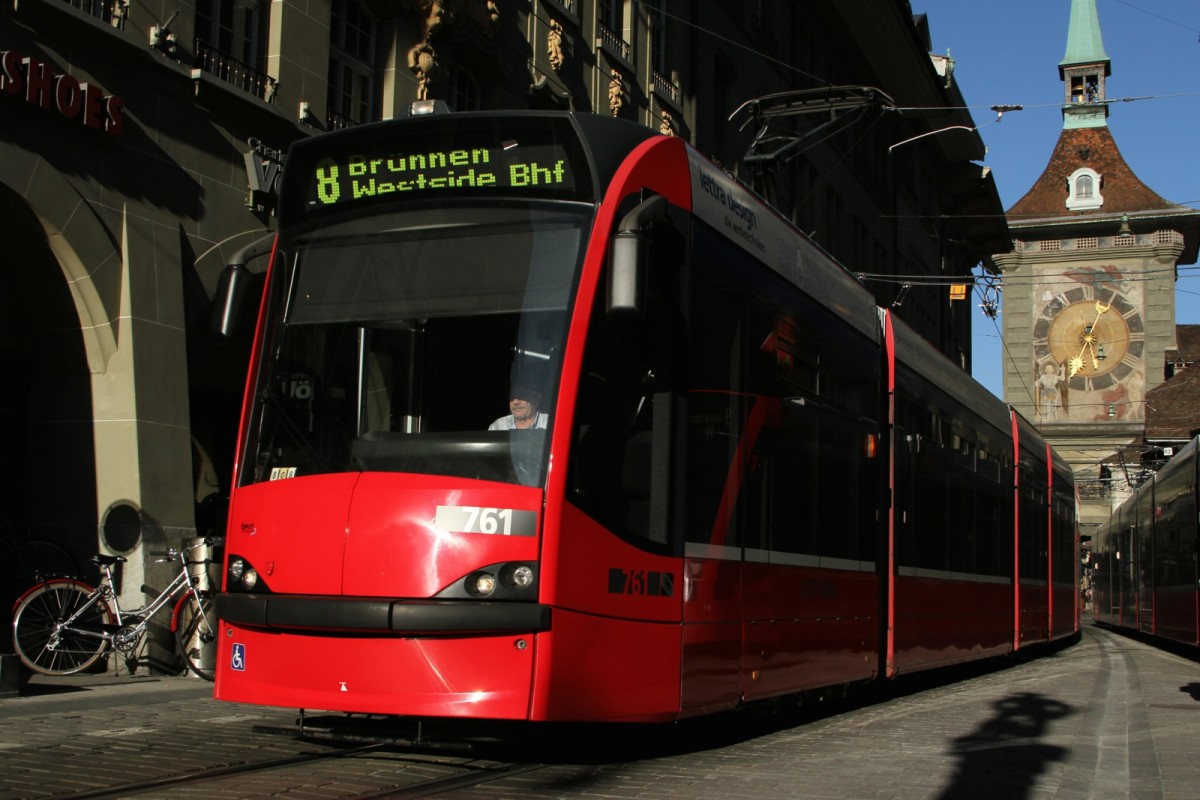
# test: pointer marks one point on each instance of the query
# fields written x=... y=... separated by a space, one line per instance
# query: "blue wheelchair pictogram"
x=238 y=660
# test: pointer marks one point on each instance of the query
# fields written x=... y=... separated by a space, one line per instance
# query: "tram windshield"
x=395 y=349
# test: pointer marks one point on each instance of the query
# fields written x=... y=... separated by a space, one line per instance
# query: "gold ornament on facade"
x=435 y=15
x=493 y=13
x=554 y=45
x=483 y=14
x=422 y=60
x=666 y=125
x=616 y=94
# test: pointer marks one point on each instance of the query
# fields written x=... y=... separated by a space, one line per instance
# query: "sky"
x=1007 y=52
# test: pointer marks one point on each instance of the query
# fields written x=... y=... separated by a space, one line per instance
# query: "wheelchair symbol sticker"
x=238 y=660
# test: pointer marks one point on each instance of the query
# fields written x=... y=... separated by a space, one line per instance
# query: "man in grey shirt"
x=523 y=403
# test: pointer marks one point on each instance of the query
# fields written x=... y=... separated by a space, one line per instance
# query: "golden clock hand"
x=1089 y=341
x=1093 y=336
x=1077 y=361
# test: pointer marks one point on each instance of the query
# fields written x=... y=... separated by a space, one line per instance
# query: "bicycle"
x=62 y=626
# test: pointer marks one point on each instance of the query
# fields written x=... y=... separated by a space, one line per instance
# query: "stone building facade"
x=141 y=142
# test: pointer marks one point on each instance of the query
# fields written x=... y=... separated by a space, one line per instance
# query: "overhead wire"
x=1127 y=276
x=1148 y=12
x=926 y=280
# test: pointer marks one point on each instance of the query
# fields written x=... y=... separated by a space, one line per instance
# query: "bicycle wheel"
x=195 y=633
x=41 y=640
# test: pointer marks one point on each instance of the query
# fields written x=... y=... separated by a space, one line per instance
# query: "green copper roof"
x=1084 y=43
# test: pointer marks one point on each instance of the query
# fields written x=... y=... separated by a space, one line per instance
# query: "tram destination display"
x=360 y=176
x=339 y=173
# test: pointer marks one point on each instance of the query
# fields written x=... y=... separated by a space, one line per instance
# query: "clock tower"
x=1089 y=286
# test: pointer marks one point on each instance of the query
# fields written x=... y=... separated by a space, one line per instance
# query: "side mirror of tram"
x=628 y=249
x=231 y=288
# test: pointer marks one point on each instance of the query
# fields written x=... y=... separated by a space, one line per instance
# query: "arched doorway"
x=48 y=469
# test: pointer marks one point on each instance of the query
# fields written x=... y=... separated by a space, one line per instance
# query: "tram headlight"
x=481 y=584
x=519 y=576
x=249 y=578
x=241 y=575
x=503 y=581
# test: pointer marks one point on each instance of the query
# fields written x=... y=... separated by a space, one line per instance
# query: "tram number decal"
x=493 y=521
x=640 y=582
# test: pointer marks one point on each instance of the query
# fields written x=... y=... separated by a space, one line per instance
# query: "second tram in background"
x=1145 y=574
x=746 y=482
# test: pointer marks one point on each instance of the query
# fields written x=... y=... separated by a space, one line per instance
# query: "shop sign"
x=38 y=85
x=263 y=168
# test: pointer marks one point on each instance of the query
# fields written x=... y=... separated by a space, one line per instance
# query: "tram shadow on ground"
x=1018 y=716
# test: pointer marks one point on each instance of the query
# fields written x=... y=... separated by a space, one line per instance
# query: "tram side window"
x=921 y=480
x=1174 y=537
x=1032 y=504
x=931 y=540
x=721 y=334
x=610 y=468
x=776 y=424
x=963 y=535
x=620 y=458
x=968 y=534
x=839 y=471
x=1064 y=538
x=796 y=487
x=993 y=514
x=1145 y=505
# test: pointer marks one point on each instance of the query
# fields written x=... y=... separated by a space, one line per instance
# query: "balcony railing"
x=337 y=121
x=113 y=12
x=666 y=88
x=614 y=42
x=234 y=72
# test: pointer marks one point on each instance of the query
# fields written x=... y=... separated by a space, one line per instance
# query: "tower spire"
x=1084 y=68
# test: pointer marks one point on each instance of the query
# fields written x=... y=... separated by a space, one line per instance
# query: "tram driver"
x=523 y=403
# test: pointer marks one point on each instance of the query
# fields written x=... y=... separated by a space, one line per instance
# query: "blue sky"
x=1007 y=52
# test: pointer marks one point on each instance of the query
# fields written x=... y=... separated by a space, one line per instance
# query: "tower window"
x=1083 y=189
x=1084 y=85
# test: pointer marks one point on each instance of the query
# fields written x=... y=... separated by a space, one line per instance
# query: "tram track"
x=208 y=774
x=451 y=783
x=458 y=775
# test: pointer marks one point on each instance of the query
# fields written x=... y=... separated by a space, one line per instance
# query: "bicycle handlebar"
x=172 y=553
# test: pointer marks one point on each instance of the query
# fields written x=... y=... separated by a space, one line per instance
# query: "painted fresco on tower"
x=1088 y=347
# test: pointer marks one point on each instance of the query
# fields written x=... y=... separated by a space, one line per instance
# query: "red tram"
x=752 y=482
x=1146 y=576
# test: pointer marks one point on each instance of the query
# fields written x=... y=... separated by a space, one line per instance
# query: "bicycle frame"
x=122 y=636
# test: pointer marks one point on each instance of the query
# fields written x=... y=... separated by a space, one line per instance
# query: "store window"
x=351 y=58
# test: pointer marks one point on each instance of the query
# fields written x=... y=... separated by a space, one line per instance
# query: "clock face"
x=1092 y=338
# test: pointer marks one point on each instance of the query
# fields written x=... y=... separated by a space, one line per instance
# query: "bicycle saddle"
x=102 y=560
